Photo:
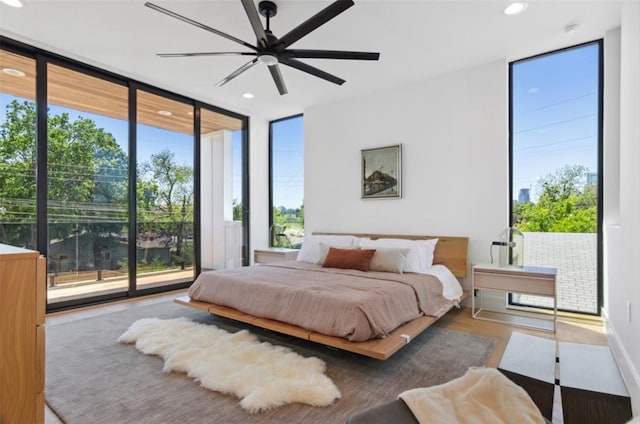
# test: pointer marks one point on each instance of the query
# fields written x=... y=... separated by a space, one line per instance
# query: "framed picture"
x=381 y=172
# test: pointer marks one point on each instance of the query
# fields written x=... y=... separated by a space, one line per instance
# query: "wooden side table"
x=533 y=280
x=274 y=254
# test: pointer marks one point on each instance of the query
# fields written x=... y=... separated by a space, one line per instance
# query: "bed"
x=340 y=307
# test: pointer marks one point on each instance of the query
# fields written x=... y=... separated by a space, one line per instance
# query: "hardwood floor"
x=569 y=329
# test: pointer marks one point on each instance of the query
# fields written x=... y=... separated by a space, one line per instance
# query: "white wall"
x=454 y=168
x=622 y=238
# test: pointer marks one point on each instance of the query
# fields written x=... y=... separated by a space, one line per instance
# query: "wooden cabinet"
x=533 y=280
x=274 y=254
x=22 y=338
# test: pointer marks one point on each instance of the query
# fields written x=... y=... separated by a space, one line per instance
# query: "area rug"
x=91 y=378
x=263 y=375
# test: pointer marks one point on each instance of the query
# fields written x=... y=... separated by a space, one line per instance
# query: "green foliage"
x=288 y=225
x=566 y=204
x=88 y=187
x=85 y=166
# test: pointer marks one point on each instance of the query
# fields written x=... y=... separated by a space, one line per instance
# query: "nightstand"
x=274 y=254
x=532 y=280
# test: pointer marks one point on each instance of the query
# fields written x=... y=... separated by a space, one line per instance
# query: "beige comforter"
x=351 y=304
x=482 y=395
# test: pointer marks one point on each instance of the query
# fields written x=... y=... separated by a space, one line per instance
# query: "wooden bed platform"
x=450 y=251
x=376 y=348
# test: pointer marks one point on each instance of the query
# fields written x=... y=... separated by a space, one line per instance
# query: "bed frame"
x=450 y=251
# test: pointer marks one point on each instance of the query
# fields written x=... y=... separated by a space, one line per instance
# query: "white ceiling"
x=416 y=39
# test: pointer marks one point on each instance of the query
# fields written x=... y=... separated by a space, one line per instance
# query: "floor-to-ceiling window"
x=103 y=175
x=87 y=184
x=165 y=190
x=556 y=139
x=223 y=202
x=286 y=141
x=17 y=150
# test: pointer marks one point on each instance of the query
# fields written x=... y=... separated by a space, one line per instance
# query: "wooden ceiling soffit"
x=85 y=93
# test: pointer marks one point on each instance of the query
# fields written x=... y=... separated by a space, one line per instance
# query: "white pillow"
x=420 y=256
x=310 y=250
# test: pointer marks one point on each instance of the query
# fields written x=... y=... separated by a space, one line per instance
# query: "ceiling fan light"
x=267 y=59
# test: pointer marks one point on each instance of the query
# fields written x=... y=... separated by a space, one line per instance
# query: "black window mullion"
x=41 y=156
x=133 y=198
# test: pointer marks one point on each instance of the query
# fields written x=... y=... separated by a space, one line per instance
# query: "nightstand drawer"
x=515 y=284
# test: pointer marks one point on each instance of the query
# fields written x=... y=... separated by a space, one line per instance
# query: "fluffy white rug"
x=264 y=376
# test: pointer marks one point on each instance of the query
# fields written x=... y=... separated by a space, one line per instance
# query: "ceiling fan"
x=271 y=50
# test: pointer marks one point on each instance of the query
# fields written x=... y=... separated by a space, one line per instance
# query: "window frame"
x=271 y=124
x=600 y=161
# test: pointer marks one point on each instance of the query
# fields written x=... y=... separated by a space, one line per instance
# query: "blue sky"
x=555 y=115
x=288 y=162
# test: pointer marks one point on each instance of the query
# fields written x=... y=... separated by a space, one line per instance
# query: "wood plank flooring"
x=569 y=329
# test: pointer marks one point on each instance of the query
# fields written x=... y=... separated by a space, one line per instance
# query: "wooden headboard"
x=450 y=251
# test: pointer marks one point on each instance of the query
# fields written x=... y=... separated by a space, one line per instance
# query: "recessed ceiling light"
x=515 y=8
x=12 y=3
x=165 y=113
x=247 y=95
x=189 y=113
x=13 y=72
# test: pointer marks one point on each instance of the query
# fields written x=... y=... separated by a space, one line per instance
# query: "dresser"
x=22 y=341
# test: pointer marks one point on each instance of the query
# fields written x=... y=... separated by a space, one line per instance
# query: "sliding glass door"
x=165 y=191
x=18 y=150
x=87 y=185
x=223 y=201
x=126 y=189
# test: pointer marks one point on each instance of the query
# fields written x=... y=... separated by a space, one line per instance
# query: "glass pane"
x=87 y=173
x=221 y=191
x=555 y=100
x=287 y=182
x=165 y=195
x=17 y=151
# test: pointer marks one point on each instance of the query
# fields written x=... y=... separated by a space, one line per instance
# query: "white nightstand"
x=274 y=254
x=533 y=280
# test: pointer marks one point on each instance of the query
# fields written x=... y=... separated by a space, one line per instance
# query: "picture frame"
x=381 y=175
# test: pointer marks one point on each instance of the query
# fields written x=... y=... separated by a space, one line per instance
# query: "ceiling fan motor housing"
x=268 y=9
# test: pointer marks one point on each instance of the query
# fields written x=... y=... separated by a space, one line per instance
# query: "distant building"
x=592 y=178
x=523 y=196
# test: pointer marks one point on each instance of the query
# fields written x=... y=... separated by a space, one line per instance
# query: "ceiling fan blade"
x=277 y=78
x=313 y=22
x=256 y=23
x=311 y=70
x=329 y=54
x=237 y=72
x=198 y=24
x=207 y=54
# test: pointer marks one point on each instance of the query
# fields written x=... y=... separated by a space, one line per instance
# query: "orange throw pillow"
x=349 y=258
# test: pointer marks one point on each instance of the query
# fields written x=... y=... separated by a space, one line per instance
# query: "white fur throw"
x=264 y=376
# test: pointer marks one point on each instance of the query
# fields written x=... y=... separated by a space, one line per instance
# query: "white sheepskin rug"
x=264 y=376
